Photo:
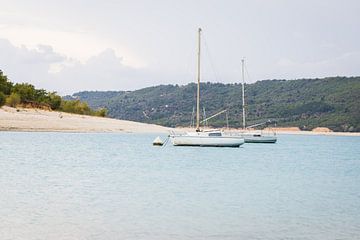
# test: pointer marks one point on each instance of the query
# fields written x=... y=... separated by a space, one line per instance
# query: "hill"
x=305 y=103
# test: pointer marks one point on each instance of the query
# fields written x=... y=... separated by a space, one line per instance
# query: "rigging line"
x=205 y=121
x=189 y=68
x=190 y=78
x=211 y=61
x=190 y=65
x=192 y=118
x=212 y=116
x=247 y=73
x=166 y=141
x=227 y=119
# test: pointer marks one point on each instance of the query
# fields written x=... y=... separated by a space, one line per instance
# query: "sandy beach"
x=316 y=131
x=37 y=120
x=25 y=119
x=287 y=130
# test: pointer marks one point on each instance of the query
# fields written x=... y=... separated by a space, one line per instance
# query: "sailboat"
x=199 y=137
x=252 y=136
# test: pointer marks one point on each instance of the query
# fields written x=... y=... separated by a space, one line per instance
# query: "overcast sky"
x=68 y=46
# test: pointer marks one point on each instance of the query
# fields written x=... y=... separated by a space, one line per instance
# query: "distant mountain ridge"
x=307 y=103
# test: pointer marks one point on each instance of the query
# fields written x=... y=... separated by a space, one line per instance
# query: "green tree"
x=26 y=91
x=54 y=100
x=13 y=100
x=5 y=85
x=102 y=112
x=328 y=102
x=2 y=99
x=75 y=106
x=41 y=96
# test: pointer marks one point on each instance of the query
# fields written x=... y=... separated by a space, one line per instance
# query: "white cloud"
x=45 y=68
x=28 y=65
x=77 y=44
x=154 y=43
x=342 y=65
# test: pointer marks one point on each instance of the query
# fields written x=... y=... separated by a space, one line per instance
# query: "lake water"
x=118 y=186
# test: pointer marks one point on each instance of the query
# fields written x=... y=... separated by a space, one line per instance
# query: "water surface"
x=118 y=186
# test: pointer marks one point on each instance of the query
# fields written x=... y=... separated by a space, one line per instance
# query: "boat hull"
x=254 y=137
x=262 y=139
x=199 y=141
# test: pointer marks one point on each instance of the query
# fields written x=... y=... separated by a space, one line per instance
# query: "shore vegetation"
x=26 y=95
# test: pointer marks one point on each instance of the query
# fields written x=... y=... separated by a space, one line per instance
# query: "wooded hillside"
x=306 y=103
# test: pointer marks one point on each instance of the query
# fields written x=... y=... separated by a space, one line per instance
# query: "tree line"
x=26 y=95
x=305 y=103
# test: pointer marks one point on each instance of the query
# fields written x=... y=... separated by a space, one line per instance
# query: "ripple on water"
x=118 y=186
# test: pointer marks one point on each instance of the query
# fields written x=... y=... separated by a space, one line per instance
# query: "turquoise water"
x=118 y=186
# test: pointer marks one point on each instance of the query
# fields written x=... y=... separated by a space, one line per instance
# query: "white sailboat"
x=249 y=135
x=212 y=138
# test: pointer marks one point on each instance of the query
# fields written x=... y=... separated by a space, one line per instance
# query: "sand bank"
x=36 y=120
x=25 y=119
x=315 y=131
x=287 y=130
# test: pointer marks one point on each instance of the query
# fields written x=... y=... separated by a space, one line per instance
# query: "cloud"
x=42 y=54
x=345 y=64
x=48 y=69
x=104 y=71
x=22 y=64
x=74 y=43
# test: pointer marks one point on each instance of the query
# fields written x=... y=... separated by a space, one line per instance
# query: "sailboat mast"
x=243 y=93
x=198 y=85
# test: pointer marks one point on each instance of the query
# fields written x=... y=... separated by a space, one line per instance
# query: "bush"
x=27 y=94
x=102 y=112
x=75 y=106
x=54 y=101
x=26 y=91
x=5 y=84
x=13 y=100
x=2 y=99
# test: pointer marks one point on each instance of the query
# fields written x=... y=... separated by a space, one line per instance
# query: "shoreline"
x=344 y=134
x=37 y=120
x=288 y=131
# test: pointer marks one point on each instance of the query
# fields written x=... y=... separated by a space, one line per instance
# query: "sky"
x=69 y=46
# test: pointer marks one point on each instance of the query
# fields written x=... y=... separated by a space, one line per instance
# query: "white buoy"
x=158 y=141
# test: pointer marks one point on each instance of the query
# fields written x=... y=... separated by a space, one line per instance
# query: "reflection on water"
x=118 y=186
